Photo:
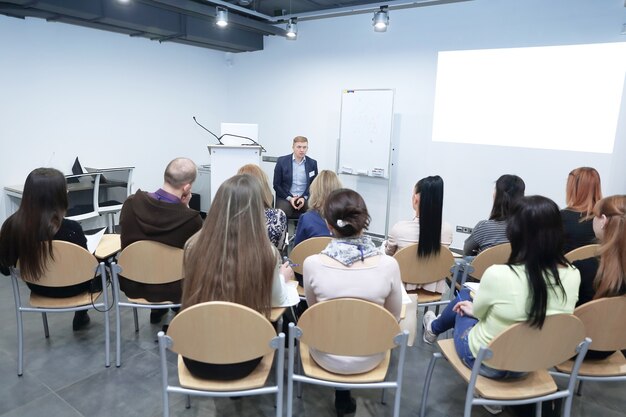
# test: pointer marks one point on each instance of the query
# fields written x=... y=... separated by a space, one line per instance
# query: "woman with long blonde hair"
x=311 y=223
x=275 y=218
x=582 y=192
x=231 y=259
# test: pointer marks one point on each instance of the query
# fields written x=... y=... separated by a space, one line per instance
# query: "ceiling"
x=192 y=22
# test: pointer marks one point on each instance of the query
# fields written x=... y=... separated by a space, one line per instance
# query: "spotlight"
x=292 y=29
x=221 y=17
x=381 y=20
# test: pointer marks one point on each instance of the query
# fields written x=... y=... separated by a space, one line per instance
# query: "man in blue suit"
x=293 y=176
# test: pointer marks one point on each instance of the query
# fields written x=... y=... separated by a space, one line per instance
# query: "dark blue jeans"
x=462 y=326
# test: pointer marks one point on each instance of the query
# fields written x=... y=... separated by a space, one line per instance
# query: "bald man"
x=162 y=216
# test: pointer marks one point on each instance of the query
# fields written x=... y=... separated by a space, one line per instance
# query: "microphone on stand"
x=219 y=139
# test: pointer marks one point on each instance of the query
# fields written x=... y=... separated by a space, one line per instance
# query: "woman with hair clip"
x=311 y=223
x=536 y=282
x=350 y=266
x=232 y=259
x=427 y=226
x=582 y=192
x=492 y=232
x=275 y=218
x=27 y=235
x=605 y=276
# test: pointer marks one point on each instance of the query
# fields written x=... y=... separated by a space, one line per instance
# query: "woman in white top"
x=231 y=259
x=427 y=227
x=350 y=266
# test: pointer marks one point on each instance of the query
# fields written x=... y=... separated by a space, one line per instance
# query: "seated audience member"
x=231 y=259
x=312 y=223
x=536 y=282
x=275 y=218
x=605 y=276
x=350 y=266
x=27 y=236
x=293 y=175
x=581 y=194
x=492 y=232
x=427 y=226
x=162 y=216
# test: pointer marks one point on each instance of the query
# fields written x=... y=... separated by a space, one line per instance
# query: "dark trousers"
x=291 y=213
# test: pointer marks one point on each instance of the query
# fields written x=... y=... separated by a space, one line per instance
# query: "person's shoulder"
x=71 y=225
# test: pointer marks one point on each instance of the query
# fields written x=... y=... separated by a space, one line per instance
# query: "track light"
x=381 y=20
x=221 y=17
x=292 y=29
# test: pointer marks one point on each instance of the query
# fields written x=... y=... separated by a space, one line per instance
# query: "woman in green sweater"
x=536 y=282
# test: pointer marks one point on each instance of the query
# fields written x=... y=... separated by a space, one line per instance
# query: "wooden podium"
x=226 y=161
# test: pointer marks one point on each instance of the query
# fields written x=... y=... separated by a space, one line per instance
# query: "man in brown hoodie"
x=162 y=216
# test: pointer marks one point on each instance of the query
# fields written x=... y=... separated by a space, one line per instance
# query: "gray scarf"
x=349 y=250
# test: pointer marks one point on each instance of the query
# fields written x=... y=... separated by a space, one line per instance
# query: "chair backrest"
x=414 y=270
x=494 y=255
x=584 y=252
x=523 y=348
x=151 y=262
x=82 y=196
x=604 y=322
x=70 y=264
x=348 y=326
x=307 y=248
x=220 y=332
x=115 y=186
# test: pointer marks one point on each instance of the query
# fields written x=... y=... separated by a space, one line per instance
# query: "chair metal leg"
x=44 y=317
x=188 y=402
x=118 y=336
x=20 y=344
x=538 y=409
x=429 y=374
x=136 y=320
x=579 y=390
x=382 y=397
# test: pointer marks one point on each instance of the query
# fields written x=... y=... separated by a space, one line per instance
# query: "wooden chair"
x=305 y=249
x=231 y=333
x=561 y=337
x=146 y=262
x=70 y=265
x=494 y=255
x=604 y=325
x=348 y=327
x=420 y=271
x=584 y=252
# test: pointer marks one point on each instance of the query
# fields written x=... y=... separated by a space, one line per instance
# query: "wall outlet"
x=464 y=229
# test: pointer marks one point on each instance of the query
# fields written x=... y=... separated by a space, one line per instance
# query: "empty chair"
x=69 y=265
x=364 y=329
x=146 y=262
x=114 y=187
x=231 y=333
x=82 y=196
x=561 y=337
x=604 y=325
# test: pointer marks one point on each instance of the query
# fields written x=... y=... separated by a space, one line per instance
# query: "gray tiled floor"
x=65 y=376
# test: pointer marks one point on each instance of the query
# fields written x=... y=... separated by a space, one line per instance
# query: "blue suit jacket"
x=283 y=175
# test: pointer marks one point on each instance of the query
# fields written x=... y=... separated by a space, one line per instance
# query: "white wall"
x=115 y=100
x=111 y=100
x=295 y=88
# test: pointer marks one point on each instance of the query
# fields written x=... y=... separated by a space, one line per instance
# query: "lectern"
x=226 y=160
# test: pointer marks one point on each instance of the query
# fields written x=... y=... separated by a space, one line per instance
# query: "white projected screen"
x=553 y=97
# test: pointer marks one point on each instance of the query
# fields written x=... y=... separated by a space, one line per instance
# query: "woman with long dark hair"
x=427 y=227
x=536 y=282
x=350 y=266
x=582 y=192
x=232 y=259
x=492 y=232
x=27 y=235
